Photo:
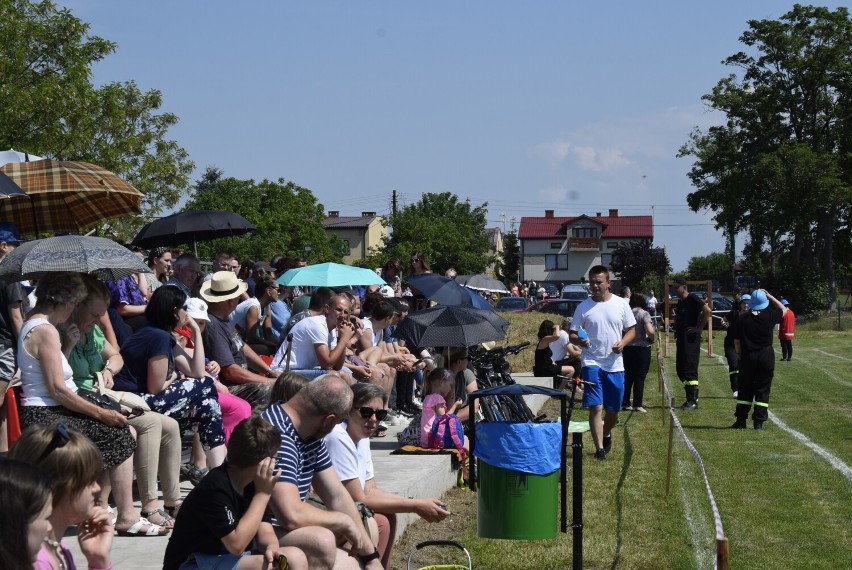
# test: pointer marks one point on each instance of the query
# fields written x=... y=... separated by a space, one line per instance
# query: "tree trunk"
x=825 y=233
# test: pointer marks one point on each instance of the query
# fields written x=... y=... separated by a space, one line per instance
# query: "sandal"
x=380 y=431
x=173 y=509
x=136 y=529
x=167 y=522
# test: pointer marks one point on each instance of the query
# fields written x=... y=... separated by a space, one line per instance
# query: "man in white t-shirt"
x=609 y=323
x=319 y=343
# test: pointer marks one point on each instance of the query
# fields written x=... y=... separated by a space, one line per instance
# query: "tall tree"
x=449 y=232
x=51 y=108
x=634 y=260
x=510 y=266
x=713 y=266
x=288 y=218
x=781 y=165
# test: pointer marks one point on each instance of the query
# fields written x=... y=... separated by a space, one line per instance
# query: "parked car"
x=576 y=292
x=551 y=290
x=512 y=304
x=721 y=306
x=564 y=307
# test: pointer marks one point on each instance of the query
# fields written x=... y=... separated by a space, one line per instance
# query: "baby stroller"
x=440 y=566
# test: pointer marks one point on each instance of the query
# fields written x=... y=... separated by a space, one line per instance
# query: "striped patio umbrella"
x=66 y=196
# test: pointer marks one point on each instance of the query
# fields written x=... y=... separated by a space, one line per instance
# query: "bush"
x=805 y=288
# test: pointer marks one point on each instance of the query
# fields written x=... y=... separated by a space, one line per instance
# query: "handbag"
x=99 y=400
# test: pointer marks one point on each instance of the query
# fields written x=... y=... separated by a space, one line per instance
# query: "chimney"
x=597 y=214
x=613 y=213
x=368 y=214
x=548 y=213
x=334 y=214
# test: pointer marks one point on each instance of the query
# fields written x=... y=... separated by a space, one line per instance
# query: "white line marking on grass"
x=831 y=355
x=824 y=371
x=698 y=531
x=835 y=461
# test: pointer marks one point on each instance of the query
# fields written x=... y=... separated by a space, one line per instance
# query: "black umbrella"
x=446 y=291
x=451 y=326
x=482 y=283
x=192 y=226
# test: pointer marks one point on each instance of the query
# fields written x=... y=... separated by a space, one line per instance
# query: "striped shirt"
x=297 y=458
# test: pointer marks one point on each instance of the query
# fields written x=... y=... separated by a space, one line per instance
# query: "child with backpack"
x=439 y=426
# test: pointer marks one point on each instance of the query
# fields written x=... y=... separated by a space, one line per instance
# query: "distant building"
x=358 y=233
x=495 y=243
x=563 y=249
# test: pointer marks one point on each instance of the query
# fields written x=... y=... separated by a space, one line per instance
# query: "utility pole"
x=503 y=216
x=393 y=203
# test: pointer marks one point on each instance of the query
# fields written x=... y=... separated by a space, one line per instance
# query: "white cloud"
x=586 y=157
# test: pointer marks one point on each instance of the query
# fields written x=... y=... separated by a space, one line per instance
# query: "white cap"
x=387 y=291
x=197 y=309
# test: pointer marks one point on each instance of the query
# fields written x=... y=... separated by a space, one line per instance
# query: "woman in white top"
x=50 y=395
x=349 y=448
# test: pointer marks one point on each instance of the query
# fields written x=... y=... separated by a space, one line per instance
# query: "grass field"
x=784 y=494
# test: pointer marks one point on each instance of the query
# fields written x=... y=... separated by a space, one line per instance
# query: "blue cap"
x=759 y=300
x=784 y=301
x=9 y=233
x=745 y=297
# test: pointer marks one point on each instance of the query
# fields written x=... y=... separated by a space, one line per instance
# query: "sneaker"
x=626 y=408
x=395 y=419
x=689 y=405
x=607 y=443
x=404 y=412
x=739 y=424
x=600 y=455
x=640 y=409
x=735 y=393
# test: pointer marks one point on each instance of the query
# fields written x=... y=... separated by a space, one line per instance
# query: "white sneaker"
x=735 y=394
x=395 y=419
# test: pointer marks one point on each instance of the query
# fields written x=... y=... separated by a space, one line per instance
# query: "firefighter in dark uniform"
x=740 y=306
x=691 y=316
x=753 y=333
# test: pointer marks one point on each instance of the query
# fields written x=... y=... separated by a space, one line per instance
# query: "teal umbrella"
x=329 y=275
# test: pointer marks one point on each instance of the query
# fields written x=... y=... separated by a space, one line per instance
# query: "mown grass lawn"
x=782 y=504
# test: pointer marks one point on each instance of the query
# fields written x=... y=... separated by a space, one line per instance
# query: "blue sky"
x=573 y=106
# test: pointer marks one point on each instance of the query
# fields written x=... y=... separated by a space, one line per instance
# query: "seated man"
x=228 y=510
x=223 y=344
x=318 y=343
x=304 y=462
x=318 y=299
x=187 y=274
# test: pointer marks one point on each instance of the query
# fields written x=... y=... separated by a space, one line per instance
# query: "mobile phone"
x=280 y=562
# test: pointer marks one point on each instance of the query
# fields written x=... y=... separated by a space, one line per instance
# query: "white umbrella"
x=12 y=155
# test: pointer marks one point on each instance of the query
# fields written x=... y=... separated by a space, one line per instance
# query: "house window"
x=554 y=262
x=606 y=259
x=347 y=249
x=555 y=245
x=612 y=244
x=584 y=232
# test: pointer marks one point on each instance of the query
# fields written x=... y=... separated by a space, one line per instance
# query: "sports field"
x=784 y=494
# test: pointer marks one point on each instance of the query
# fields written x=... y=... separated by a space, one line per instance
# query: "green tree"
x=288 y=218
x=510 y=265
x=51 y=107
x=716 y=266
x=781 y=165
x=633 y=261
x=449 y=232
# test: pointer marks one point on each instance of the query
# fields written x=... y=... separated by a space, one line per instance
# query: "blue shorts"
x=609 y=388
x=200 y=561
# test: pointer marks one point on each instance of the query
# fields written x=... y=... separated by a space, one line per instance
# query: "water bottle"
x=584 y=336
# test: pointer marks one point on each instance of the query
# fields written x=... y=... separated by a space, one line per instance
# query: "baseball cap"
x=759 y=300
x=678 y=281
x=387 y=291
x=9 y=233
x=784 y=301
x=197 y=309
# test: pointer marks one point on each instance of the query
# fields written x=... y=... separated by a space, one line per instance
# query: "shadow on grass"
x=625 y=467
x=690 y=426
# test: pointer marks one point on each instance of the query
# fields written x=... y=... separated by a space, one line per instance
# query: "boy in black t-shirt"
x=227 y=513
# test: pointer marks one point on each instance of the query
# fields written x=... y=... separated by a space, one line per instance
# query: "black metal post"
x=577 y=498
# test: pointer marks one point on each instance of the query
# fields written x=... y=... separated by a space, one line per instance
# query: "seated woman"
x=73 y=465
x=349 y=448
x=465 y=380
x=158 y=437
x=167 y=378
x=160 y=262
x=543 y=364
x=50 y=395
x=256 y=321
x=25 y=496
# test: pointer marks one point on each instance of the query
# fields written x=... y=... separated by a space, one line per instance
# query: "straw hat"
x=222 y=286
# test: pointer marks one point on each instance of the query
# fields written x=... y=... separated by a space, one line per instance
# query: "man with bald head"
x=304 y=462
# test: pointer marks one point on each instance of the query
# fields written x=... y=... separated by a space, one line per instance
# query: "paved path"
x=408 y=475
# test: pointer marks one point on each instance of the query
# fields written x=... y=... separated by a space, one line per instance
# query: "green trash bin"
x=518 y=479
x=516 y=505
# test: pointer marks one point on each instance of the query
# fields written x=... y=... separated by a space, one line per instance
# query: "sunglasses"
x=367 y=411
x=59 y=439
x=134 y=412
